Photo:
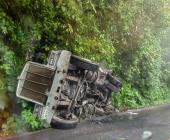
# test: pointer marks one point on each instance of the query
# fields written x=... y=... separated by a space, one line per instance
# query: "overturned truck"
x=66 y=89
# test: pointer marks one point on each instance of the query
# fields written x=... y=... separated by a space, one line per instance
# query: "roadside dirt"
x=5 y=105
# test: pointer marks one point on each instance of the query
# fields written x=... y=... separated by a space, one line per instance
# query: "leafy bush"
x=11 y=65
x=128 y=98
x=31 y=120
x=18 y=124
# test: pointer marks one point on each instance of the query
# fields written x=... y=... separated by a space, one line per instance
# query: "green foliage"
x=165 y=43
x=165 y=78
x=123 y=35
x=139 y=59
x=19 y=124
x=31 y=120
x=128 y=98
x=11 y=65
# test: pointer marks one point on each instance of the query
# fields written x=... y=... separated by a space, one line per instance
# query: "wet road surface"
x=124 y=126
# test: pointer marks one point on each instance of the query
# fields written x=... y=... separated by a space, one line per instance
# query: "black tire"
x=114 y=81
x=112 y=87
x=83 y=64
x=60 y=123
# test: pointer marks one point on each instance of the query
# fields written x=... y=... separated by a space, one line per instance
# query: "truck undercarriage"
x=67 y=88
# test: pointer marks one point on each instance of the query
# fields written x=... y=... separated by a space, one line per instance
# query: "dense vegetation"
x=123 y=35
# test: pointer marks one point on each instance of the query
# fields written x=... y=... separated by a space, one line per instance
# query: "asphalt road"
x=124 y=126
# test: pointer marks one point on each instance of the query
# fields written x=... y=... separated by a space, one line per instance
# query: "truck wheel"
x=62 y=123
x=114 y=81
x=83 y=63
